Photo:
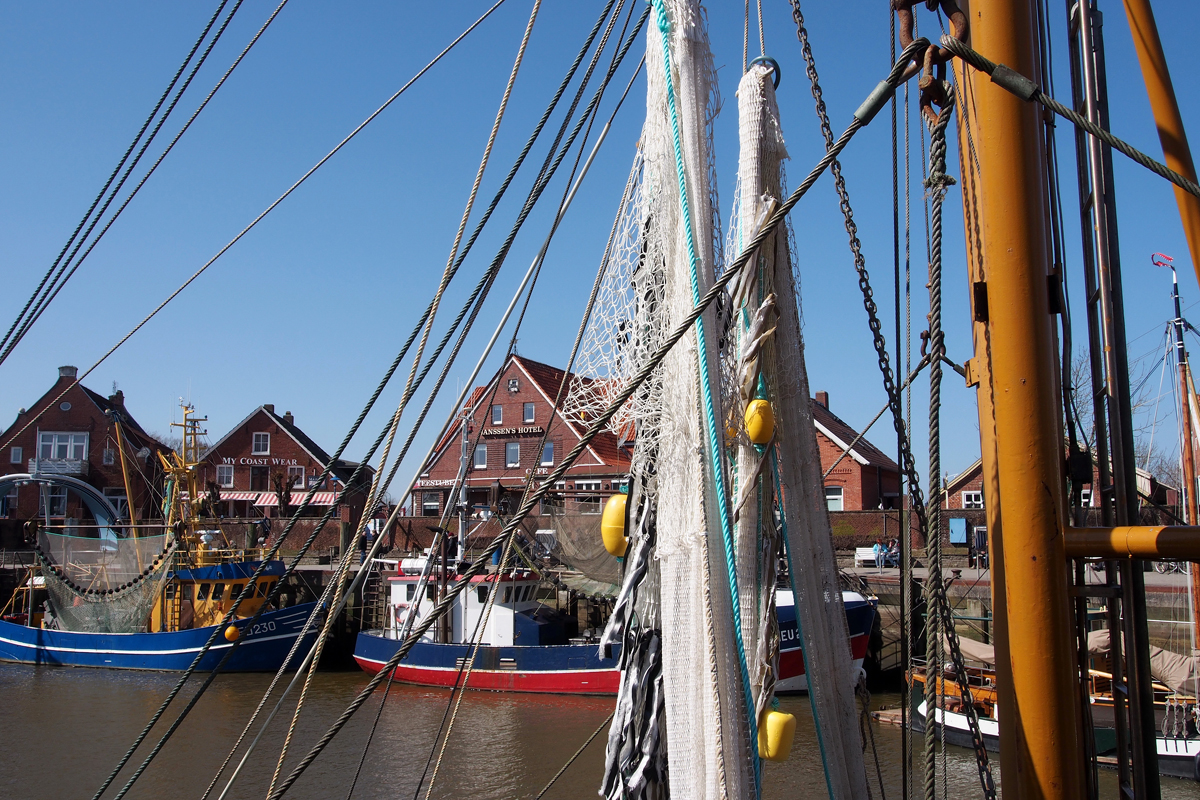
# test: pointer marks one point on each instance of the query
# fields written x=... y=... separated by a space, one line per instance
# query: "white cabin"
x=517 y=594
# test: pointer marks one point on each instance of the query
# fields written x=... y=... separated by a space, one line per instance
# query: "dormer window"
x=262 y=444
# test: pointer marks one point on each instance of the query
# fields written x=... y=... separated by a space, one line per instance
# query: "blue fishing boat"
x=108 y=591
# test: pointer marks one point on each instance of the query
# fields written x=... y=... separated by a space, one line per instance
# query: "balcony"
x=58 y=466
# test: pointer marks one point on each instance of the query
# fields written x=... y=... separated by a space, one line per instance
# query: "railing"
x=58 y=466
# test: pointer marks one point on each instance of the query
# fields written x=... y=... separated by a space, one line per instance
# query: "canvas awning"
x=1180 y=673
x=230 y=494
x=268 y=499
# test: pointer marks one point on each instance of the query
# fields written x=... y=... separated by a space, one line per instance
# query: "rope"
x=940 y=613
x=710 y=421
x=578 y=752
x=7 y=341
x=1017 y=84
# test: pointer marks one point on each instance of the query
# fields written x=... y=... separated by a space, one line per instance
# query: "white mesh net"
x=104 y=584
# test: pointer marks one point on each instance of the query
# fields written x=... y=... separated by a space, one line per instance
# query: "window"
x=203 y=593
x=15 y=456
x=497 y=415
x=588 y=503
x=482 y=592
x=262 y=444
x=507 y=594
x=431 y=504
x=480 y=456
x=218 y=592
x=8 y=503
x=225 y=476
x=833 y=498
x=236 y=591
x=54 y=501
x=116 y=496
x=110 y=456
x=296 y=477
x=548 y=454
x=972 y=499
x=512 y=454
x=431 y=591
x=410 y=591
x=527 y=416
x=63 y=446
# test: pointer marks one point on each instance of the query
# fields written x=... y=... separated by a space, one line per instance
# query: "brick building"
x=76 y=435
x=864 y=479
x=267 y=451
x=500 y=432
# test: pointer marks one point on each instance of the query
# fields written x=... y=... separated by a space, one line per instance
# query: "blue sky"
x=307 y=310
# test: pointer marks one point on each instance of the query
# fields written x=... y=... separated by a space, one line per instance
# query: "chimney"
x=288 y=418
x=117 y=398
x=823 y=399
x=67 y=372
x=270 y=407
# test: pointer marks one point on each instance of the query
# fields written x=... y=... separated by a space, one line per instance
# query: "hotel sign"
x=528 y=430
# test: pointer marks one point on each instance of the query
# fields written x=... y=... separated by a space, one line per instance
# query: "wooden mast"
x=1041 y=744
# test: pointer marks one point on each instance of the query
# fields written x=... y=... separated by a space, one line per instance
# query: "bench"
x=864 y=557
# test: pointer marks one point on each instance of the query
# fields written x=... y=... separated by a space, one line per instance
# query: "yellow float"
x=776 y=730
x=232 y=634
x=760 y=421
x=612 y=525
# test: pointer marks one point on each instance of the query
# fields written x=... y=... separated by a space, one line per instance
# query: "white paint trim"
x=846 y=447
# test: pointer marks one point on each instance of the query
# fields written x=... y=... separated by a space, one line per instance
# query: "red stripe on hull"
x=791 y=662
x=601 y=681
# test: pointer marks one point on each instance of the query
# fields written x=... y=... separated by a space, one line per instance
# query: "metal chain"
x=864 y=279
x=940 y=612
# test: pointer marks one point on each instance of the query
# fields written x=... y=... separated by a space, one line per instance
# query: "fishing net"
x=105 y=584
x=705 y=713
x=578 y=544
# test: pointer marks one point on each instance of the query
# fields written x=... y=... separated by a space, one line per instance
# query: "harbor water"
x=67 y=728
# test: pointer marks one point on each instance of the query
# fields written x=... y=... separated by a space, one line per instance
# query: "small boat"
x=531 y=647
x=1178 y=742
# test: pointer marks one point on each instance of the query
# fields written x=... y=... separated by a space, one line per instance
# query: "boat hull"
x=860 y=619
x=1178 y=757
x=265 y=645
x=549 y=669
x=578 y=669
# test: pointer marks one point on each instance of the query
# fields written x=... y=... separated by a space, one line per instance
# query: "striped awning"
x=230 y=494
x=319 y=499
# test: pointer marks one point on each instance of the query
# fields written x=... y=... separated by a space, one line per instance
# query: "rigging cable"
x=1017 y=84
x=862 y=117
x=485 y=282
x=445 y=280
x=96 y=240
x=59 y=279
x=568 y=194
x=341 y=448
x=104 y=190
x=264 y=213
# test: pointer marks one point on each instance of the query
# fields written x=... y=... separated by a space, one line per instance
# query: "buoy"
x=612 y=525
x=760 y=421
x=232 y=634
x=775 y=733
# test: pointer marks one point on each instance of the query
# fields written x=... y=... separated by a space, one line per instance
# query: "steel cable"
x=64 y=274
x=1019 y=85
x=162 y=156
x=104 y=189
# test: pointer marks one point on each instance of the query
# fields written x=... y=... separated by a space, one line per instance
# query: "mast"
x=1041 y=747
x=1186 y=432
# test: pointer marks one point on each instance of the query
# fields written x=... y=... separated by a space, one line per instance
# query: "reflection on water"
x=66 y=729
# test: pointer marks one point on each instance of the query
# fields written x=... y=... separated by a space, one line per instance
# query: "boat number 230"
x=262 y=627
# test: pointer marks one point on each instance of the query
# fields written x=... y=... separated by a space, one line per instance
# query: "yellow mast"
x=1041 y=744
x=129 y=504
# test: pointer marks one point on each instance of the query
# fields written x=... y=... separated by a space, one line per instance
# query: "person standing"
x=880 y=552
